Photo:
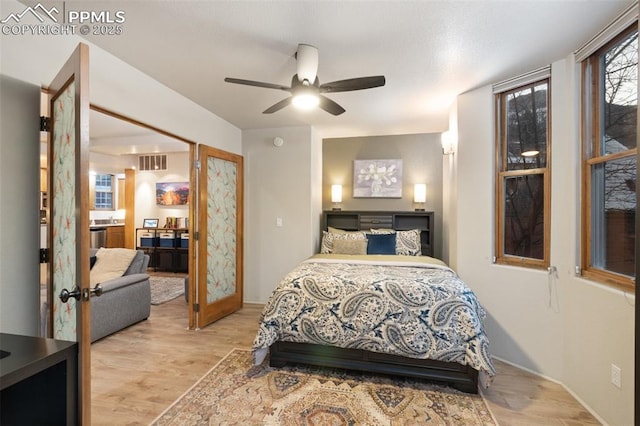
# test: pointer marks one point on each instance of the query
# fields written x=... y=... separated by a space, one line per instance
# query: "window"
x=609 y=112
x=523 y=174
x=104 y=192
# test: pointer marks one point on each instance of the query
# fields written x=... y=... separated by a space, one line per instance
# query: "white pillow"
x=350 y=246
x=110 y=263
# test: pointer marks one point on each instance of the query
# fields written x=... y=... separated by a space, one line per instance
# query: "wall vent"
x=154 y=162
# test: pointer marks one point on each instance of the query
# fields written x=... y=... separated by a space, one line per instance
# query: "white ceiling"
x=429 y=51
x=113 y=136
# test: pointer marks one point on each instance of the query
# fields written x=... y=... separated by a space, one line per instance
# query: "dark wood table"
x=38 y=381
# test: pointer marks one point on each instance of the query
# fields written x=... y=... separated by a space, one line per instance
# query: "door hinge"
x=196 y=307
x=196 y=236
x=44 y=255
x=45 y=124
x=197 y=164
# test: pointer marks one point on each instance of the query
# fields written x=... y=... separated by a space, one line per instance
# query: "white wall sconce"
x=420 y=195
x=336 y=196
x=448 y=143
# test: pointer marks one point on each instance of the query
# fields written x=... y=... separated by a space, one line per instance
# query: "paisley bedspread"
x=412 y=306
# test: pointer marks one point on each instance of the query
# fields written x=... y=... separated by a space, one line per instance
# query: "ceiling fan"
x=306 y=90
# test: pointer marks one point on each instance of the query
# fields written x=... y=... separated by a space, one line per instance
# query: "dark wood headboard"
x=400 y=221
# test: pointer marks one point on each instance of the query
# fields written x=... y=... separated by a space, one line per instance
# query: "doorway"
x=116 y=145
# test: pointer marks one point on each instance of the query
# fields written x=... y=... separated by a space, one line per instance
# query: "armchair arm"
x=122 y=281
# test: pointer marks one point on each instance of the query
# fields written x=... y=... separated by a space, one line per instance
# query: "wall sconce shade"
x=336 y=196
x=448 y=143
x=420 y=194
x=336 y=193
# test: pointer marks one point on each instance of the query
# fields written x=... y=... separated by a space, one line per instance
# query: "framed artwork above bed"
x=377 y=178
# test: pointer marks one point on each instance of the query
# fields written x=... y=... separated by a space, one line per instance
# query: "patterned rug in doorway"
x=165 y=289
x=235 y=393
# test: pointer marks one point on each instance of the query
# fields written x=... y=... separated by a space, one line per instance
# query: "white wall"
x=146 y=207
x=19 y=208
x=280 y=182
x=563 y=327
x=115 y=85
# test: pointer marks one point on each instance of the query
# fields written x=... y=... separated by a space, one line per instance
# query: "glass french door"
x=220 y=249
x=69 y=225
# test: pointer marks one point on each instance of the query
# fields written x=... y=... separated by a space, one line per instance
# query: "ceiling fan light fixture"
x=307 y=58
x=305 y=98
x=306 y=90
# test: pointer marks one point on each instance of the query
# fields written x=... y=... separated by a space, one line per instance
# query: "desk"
x=38 y=381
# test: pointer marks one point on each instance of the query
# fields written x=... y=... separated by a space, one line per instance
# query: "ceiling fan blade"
x=277 y=107
x=257 y=84
x=307 y=59
x=350 y=84
x=330 y=106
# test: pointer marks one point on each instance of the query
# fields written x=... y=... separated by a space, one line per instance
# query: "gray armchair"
x=125 y=300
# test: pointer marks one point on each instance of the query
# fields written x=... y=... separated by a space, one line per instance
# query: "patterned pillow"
x=407 y=242
x=328 y=238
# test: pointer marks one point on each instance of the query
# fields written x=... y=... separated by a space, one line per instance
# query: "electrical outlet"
x=616 y=375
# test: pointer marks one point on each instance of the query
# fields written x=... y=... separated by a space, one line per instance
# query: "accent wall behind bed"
x=422 y=159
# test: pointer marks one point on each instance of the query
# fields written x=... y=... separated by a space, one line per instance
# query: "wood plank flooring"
x=138 y=372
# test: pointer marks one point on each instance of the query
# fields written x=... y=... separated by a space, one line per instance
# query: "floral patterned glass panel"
x=63 y=221
x=221 y=228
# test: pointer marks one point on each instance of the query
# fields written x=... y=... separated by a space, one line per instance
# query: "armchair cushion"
x=122 y=281
x=111 y=263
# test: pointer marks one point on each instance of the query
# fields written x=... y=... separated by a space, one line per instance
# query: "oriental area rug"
x=234 y=392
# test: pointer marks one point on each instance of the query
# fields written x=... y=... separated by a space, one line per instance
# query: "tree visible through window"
x=522 y=175
x=610 y=114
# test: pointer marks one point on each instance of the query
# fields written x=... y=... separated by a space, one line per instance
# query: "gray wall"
x=421 y=156
x=19 y=207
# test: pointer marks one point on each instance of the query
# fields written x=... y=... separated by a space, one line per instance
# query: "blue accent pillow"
x=381 y=244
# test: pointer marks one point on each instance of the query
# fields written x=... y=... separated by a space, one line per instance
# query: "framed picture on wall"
x=172 y=193
x=377 y=178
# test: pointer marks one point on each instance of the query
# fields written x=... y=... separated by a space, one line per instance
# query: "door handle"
x=96 y=291
x=76 y=293
x=65 y=294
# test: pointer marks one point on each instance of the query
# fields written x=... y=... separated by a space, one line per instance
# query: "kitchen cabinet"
x=115 y=236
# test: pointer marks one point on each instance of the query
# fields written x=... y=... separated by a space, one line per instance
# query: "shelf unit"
x=168 y=248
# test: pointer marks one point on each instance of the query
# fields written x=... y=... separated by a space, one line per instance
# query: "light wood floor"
x=140 y=371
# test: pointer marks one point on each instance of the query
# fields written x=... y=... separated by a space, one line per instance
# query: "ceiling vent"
x=155 y=162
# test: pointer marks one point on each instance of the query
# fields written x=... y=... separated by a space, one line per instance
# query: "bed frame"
x=461 y=377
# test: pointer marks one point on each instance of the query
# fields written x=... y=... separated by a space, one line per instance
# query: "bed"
x=390 y=309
